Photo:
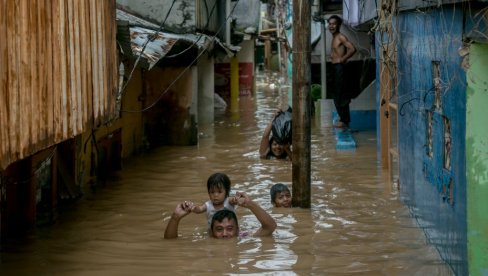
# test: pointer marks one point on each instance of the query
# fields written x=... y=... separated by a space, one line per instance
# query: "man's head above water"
x=224 y=222
x=224 y=225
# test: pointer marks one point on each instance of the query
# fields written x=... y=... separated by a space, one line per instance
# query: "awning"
x=133 y=33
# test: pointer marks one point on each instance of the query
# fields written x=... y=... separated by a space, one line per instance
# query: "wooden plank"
x=4 y=141
x=63 y=57
x=89 y=71
x=94 y=57
x=33 y=65
x=57 y=75
x=49 y=57
x=58 y=71
x=77 y=44
x=71 y=70
x=108 y=52
x=24 y=127
x=101 y=63
x=41 y=72
x=114 y=58
x=112 y=66
x=82 y=65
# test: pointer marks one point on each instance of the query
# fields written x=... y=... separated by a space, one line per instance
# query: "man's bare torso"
x=337 y=49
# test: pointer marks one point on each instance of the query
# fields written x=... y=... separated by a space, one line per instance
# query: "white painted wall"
x=246 y=54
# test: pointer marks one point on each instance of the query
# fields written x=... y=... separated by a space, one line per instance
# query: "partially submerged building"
x=59 y=81
x=431 y=102
x=86 y=84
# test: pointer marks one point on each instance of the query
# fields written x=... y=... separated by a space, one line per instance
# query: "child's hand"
x=182 y=209
x=233 y=200
x=242 y=199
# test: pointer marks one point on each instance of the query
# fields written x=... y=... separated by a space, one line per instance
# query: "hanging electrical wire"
x=149 y=38
x=184 y=70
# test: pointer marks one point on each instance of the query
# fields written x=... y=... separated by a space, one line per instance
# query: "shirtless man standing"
x=341 y=51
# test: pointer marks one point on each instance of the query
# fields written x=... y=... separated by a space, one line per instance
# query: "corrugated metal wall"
x=58 y=72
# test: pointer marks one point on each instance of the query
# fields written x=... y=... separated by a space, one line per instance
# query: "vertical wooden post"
x=301 y=104
x=267 y=54
x=234 y=85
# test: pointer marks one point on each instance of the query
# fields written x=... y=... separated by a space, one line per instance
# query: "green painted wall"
x=477 y=159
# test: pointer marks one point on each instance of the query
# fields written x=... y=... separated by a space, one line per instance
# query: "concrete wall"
x=206 y=90
x=357 y=12
x=247 y=14
x=181 y=18
x=477 y=159
x=171 y=120
x=435 y=194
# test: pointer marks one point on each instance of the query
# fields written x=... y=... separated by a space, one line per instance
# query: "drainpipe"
x=323 y=63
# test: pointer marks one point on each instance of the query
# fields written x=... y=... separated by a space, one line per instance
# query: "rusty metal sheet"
x=59 y=68
x=151 y=44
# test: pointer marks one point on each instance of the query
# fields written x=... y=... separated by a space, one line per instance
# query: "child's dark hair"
x=223 y=214
x=277 y=188
x=337 y=18
x=219 y=181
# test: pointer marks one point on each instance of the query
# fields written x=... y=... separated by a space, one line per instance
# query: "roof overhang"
x=143 y=40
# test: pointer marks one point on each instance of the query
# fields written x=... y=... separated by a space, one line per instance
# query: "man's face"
x=225 y=229
x=333 y=26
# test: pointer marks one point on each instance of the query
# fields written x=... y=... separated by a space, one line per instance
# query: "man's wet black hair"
x=337 y=18
x=277 y=188
x=219 y=180
x=221 y=215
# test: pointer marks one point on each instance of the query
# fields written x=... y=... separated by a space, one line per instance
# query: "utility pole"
x=301 y=168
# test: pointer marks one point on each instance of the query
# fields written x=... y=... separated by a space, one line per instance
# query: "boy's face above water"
x=283 y=199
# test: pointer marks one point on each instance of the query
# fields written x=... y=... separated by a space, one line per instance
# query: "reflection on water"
x=356 y=225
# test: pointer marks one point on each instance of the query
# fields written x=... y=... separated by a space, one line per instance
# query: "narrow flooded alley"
x=357 y=224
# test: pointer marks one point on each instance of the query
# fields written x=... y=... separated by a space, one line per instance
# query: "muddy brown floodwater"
x=357 y=224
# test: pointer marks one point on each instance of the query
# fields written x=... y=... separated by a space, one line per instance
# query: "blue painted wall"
x=440 y=208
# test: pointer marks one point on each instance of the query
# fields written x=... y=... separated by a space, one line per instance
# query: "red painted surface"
x=222 y=79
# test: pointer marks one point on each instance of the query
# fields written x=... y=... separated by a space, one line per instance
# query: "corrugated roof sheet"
x=159 y=43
